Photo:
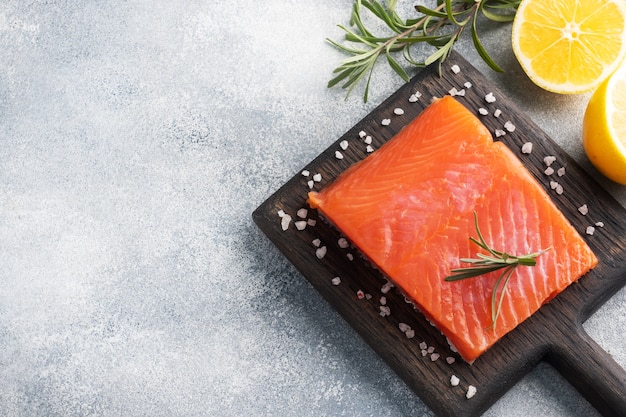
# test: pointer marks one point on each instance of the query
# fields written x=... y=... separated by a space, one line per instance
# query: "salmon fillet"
x=409 y=208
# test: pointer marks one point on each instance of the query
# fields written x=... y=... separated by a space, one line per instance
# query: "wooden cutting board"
x=425 y=361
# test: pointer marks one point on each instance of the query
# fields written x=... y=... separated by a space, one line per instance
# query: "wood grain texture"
x=553 y=334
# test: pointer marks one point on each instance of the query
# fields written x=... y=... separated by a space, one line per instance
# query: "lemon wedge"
x=569 y=46
x=604 y=127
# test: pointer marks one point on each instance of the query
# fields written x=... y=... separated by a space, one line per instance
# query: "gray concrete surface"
x=136 y=139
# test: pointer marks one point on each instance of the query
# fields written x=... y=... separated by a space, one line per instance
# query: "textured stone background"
x=136 y=139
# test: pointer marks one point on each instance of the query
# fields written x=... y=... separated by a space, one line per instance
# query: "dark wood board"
x=554 y=333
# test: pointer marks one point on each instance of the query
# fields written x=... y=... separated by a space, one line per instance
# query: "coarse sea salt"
x=471 y=391
x=509 y=126
x=583 y=209
x=490 y=98
x=483 y=111
x=311 y=183
x=454 y=380
x=423 y=345
x=385 y=122
x=338 y=155
x=302 y=213
x=386 y=287
x=549 y=160
x=404 y=327
x=384 y=311
x=434 y=357
x=285 y=219
x=321 y=252
x=499 y=133
x=600 y=224
x=350 y=257
x=300 y=225
x=311 y=222
x=317 y=177
x=343 y=243
x=369 y=149
x=368 y=140
x=467 y=85
x=450 y=360
x=306 y=173
x=316 y=242
x=398 y=111
x=336 y=281
x=455 y=68
x=549 y=171
x=497 y=113
x=343 y=144
x=362 y=134
x=410 y=334
x=590 y=230
x=527 y=147
x=383 y=300
x=560 y=172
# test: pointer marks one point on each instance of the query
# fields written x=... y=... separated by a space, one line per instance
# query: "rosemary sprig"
x=439 y=27
x=492 y=261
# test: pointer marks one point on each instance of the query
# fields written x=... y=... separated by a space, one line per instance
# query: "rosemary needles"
x=492 y=261
x=439 y=27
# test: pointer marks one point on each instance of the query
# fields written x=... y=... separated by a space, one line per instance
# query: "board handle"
x=591 y=370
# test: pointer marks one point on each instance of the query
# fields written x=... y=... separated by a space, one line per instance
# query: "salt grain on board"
x=350 y=257
x=316 y=242
x=549 y=171
x=600 y=224
x=509 y=126
x=383 y=300
x=360 y=295
x=384 y=311
x=455 y=69
x=423 y=345
x=343 y=144
x=424 y=353
x=583 y=209
x=321 y=252
x=500 y=133
x=560 y=172
x=311 y=183
x=497 y=113
x=336 y=281
x=471 y=391
x=343 y=242
x=404 y=327
x=300 y=225
x=369 y=149
x=527 y=147
x=338 y=155
x=386 y=287
x=450 y=360
x=385 y=122
x=410 y=334
x=367 y=140
x=317 y=177
x=454 y=380
x=468 y=85
x=362 y=134
x=548 y=160
x=285 y=219
x=590 y=230
x=490 y=98
x=483 y=111
x=302 y=213
x=434 y=357
x=398 y=111
x=311 y=222
x=306 y=173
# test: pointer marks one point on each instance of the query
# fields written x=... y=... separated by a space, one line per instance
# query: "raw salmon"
x=409 y=208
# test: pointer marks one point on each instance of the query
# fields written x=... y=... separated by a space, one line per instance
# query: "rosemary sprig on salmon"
x=493 y=261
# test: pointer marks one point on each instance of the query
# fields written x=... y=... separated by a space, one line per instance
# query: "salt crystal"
x=600 y=224
x=554 y=185
x=317 y=177
x=368 y=140
x=454 y=92
x=306 y=172
x=368 y=296
x=468 y=85
x=338 y=155
x=497 y=113
x=281 y=213
x=560 y=172
x=311 y=183
x=302 y=213
x=434 y=357
x=527 y=147
x=423 y=345
x=336 y=281
x=398 y=111
x=404 y=327
x=385 y=122
x=383 y=300
x=311 y=222
x=590 y=230
x=483 y=111
x=509 y=126
x=369 y=149
x=343 y=144
x=500 y=133
x=455 y=68
x=300 y=225
x=360 y=295
x=316 y=242
x=321 y=252
x=548 y=160
x=386 y=287
x=362 y=134
x=454 y=380
x=583 y=209
x=490 y=98
x=285 y=219
x=343 y=242
x=549 y=171
x=413 y=98
x=471 y=391
x=410 y=334
x=350 y=256
x=424 y=353
x=385 y=311
x=430 y=349
x=559 y=189
x=450 y=360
